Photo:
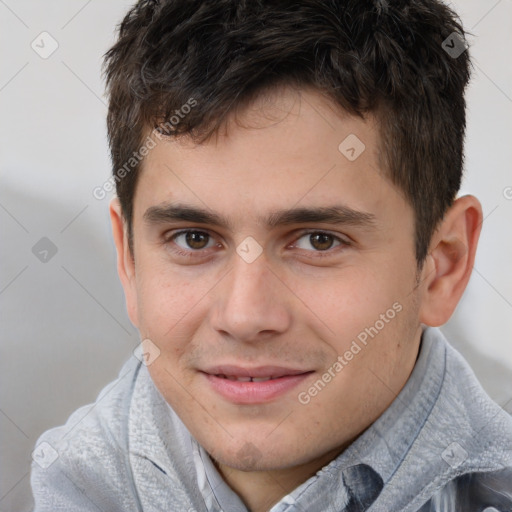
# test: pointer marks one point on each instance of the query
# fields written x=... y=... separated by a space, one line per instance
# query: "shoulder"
x=476 y=433
x=473 y=492
x=487 y=427
x=83 y=464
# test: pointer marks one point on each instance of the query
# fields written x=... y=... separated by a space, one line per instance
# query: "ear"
x=125 y=260
x=448 y=266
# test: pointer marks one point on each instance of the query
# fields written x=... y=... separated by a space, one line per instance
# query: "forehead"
x=286 y=149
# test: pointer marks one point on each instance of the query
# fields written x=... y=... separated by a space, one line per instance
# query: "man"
x=289 y=237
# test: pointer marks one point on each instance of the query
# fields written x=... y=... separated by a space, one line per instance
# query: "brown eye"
x=321 y=241
x=197 y=239
x=192 y=240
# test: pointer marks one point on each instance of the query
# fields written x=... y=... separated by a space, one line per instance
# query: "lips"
x=242 y=385
x=266 y=372
x=245 y=379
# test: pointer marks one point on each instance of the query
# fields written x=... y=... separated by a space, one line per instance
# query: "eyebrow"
x=336 y=215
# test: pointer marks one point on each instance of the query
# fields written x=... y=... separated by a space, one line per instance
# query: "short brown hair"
x=385 y=57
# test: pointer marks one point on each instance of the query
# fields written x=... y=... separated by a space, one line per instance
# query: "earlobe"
x=450 y=261
x=125 y=262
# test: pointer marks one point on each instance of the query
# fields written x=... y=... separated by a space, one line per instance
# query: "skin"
x=298 y=304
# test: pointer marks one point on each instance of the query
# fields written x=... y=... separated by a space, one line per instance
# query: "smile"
x=244 y=386
x=246 y=379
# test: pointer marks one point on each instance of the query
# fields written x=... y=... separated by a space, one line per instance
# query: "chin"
x=250 y=459
x=249 y=453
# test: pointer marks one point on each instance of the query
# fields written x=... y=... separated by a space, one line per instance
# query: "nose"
x=252 y=304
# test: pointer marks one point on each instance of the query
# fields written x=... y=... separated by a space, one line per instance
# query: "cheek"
x=350 y=301
x=169 y=304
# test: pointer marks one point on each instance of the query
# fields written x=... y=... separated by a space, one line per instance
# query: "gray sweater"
x=443 y=445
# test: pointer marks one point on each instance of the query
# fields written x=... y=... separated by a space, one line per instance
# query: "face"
x=276 y=251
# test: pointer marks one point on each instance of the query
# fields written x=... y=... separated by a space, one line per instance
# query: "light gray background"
x=65 y=332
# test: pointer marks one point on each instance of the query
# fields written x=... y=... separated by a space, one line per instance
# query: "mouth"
x=241 y=385
x=245 y=379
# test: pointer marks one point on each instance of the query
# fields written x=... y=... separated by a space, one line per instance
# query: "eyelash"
x=168 y=240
